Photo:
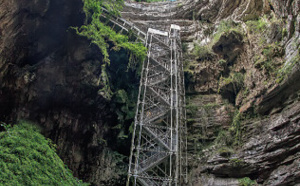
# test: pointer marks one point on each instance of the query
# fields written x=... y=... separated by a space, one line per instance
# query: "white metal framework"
x=158 y=150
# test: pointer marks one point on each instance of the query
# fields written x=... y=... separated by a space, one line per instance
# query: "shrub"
x=267 y=61
x=226 y=27
x=258 y=26
x=236 y=78
x=28 y=158
x=237 y=163
x=202 y=52
x=247 y=182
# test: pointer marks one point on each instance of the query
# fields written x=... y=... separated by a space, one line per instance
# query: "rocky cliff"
x=50 y=76
x=242 y=82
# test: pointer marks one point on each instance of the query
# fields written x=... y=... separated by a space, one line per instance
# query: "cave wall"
x=243 y=123
x=50 y=76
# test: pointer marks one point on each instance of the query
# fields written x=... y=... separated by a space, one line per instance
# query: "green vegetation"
x=224 y=138
x=247 y=182
x=226 y=27
x=225 y=152
x=237 y=163
x=222 y=62
x=124 y=113
x=246 y=92
x=236 y=127
x=270 y=60
x=205 y=51
x=100 y=34
x=235 y=78
x=287 y=69
x=273 y=50
x=262 y=25
x=184 y=47
x=228 y=139
x=258 y=26
x=267 y=60
x=284 y=32
x=28 y=158
x=209 y=106
x=104 y=36
x=191 y=109
x=153 y=1
x=202 y=52
x=122 y=62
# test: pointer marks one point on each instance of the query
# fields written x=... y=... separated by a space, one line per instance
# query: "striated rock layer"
x=243 y=121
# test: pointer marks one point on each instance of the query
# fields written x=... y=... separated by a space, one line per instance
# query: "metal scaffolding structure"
x=158 y=150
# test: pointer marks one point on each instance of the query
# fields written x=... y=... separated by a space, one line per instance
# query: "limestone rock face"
x=50 y=76
x=228 y=74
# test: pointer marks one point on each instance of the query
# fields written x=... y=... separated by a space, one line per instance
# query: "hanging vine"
x=104 y=36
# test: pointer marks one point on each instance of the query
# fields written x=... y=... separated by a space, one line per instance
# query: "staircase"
x=158 y=148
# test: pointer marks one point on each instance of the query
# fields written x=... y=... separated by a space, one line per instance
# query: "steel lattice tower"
x=158 y=151
x=159 y=148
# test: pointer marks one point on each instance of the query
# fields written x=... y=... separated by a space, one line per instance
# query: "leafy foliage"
x=124 y=82
x=28 y=158
x=103 y=35
x=202 y=52
x=226 y=27
x=100 y=34
x=267 y=61
x=236 y=127
x=268 y=31
x=247 y=182
x=258 y=26
x=285 y=71
x=191 y=109
x=235 y=78
x=237 y=163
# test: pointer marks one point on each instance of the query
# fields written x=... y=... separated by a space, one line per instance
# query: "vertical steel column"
x=156 y=154
x=135 y=121
x=158 y=148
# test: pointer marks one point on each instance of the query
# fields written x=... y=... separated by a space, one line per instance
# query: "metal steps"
x=151 y=161
x=157 y=151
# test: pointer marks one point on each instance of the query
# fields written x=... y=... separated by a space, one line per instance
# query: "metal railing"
x=160 y=115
